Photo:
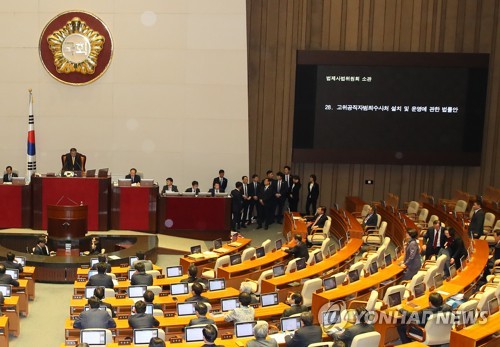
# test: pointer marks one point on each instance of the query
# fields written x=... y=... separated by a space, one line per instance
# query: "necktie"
x=279 y=186
x=434 y=244
x=245 y=189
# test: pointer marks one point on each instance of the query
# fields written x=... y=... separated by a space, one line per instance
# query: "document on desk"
x=279 y=337
x=222 y=250
x=208 y=254
x=196 y=256
x=113 y=257
x=235 y=244
x=443 y=292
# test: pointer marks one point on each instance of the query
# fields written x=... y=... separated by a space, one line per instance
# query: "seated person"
x=196 y=290
x=7 y=279
x=318 y=221
x=73 y=161
x=149 y=297
x=307 y=334
x=141 y=258
x=215 y=190
x=244 y=313
x=260 y=331
x=99 y=294
x=209 y=336
x=101 y=279
x=133 y=176
x=156 y=342
x=169 y=187
x=94 y=318
x=371 y=218
x=7 y=177
x=140 y=277
x=295 y=301
x=95 y=246
x=246 y=287
x=358 y=318
x=102 y=259
x=201 y=315
x=41 y=247
x=194 y=188
x=300 y=248
x=192 y=278
x=141 y=319
x=435 y=305
x=10 y=263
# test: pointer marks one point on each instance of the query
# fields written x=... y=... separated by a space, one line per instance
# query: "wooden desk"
x=79 y=287
x=299 y=227
x=21 y=292
x=117 y=270
x=478 y=334
x=134 y=208
x=11 y=310
x=29 y=275
x=333 y=263
x=354 y=204
x=4 y=331
x=15 y=206
x=254 y=265
x=210 y=262
x=340 y=225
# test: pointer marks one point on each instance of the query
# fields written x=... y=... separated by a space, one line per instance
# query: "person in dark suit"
x=260 y=331
x=133 y=176
x=300 y=248
x=318 y=221
x=434 y=239
x=101 y=279
x=295 y=301
x=7 y=177
x=221 y=180
x=102 y=259
x=10 y=263
x=41 y=247
x=7 y=279
x=193 y=276
x=141 y=319
x=254 y=190
x=149 y=297
x=216 y=189
x=95 y=246
x=312 y=194
x=156 y=342
x=412 y=261
x=201 y=311
x=266 y=200
x=209 y=336
x=141 y=258
x=94 y=318
x=169 y=187
x=436 y=305
x=73 y=161
x=236 y=206
x=247 y=200
x=455 y=246
x=371 y=218
x=287 y=176
x=359 y=319
x=476 y=224
x=307 y=334
x=140 y=277
x=294 y=193
x=280 y=188
x=194 y=188
x=99 y=294
x=196 y=290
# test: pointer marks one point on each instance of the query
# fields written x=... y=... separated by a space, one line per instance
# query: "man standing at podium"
x=7 y=177
x=73 y=161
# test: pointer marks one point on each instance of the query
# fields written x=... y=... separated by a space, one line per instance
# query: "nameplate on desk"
x=121 y=296
x=85 y=266
x=226 y=336
x=124 y=265
x=81 y=279
x=121 y=279
x=124 y=342
x=169 y=314
x=163 y=294
x=123 y=316
x=70 y=342
x=175 y=339
x=159 y=277
x=77 y=297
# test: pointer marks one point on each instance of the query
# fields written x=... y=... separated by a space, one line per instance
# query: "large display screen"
x=389 y=108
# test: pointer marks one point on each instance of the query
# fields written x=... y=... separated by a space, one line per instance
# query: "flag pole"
x=31 y=148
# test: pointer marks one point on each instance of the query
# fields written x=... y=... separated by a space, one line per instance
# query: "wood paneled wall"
x=277 y=28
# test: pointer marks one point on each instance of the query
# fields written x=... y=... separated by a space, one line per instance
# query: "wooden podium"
x=68 y=222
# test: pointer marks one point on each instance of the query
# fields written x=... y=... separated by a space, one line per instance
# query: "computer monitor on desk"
x=181 y=288
x=260 y=252
x=103 y=173
x=18 y=181
x=14 y=273
x=186 y=308
x=147 y=182
x=244 y=329
x=216 y=284
x=20 y=260
x=93 y=337
x=136 y=291
x=229 y=304
x=143 y=336
x=6 y=290
x=174 y=271
x=124 y=182
x=194 y=334
x=90 y=173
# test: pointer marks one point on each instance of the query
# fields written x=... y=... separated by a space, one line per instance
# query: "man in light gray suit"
x=260 y=331
x=94 y=318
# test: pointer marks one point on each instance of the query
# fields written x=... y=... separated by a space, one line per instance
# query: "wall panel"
x=277 y=28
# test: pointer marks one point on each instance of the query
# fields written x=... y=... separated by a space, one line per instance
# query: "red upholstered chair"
x=82 y=163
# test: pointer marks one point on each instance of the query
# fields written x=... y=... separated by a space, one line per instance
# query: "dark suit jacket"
x=294 y=309
x=6 y=177
x=267 y=195
x=12 y=265
x=108 y=266
x=348 y=335
x=423 y=315
x=321 y=221
x=190 y=190
x=141 y=279
x=456 y=249
x=212 y=191
x=165 y=188
x=371 y=221
x=203 y=281
x=40 y=250
x=142 y=321
x=313 y=193
x=137 y=178
x=7 y=279
x=477 y=222
x=101 y=280
x=304 y=336
x=108 y=305
x=236 y=201
x=68 y=164
x=223 y=184
x=299 y=251
x=429 y=237
x=94 y=318
x=283 y=189
x=294 y=191
x=252 y=190
x=197 y=298
x=201 y=321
